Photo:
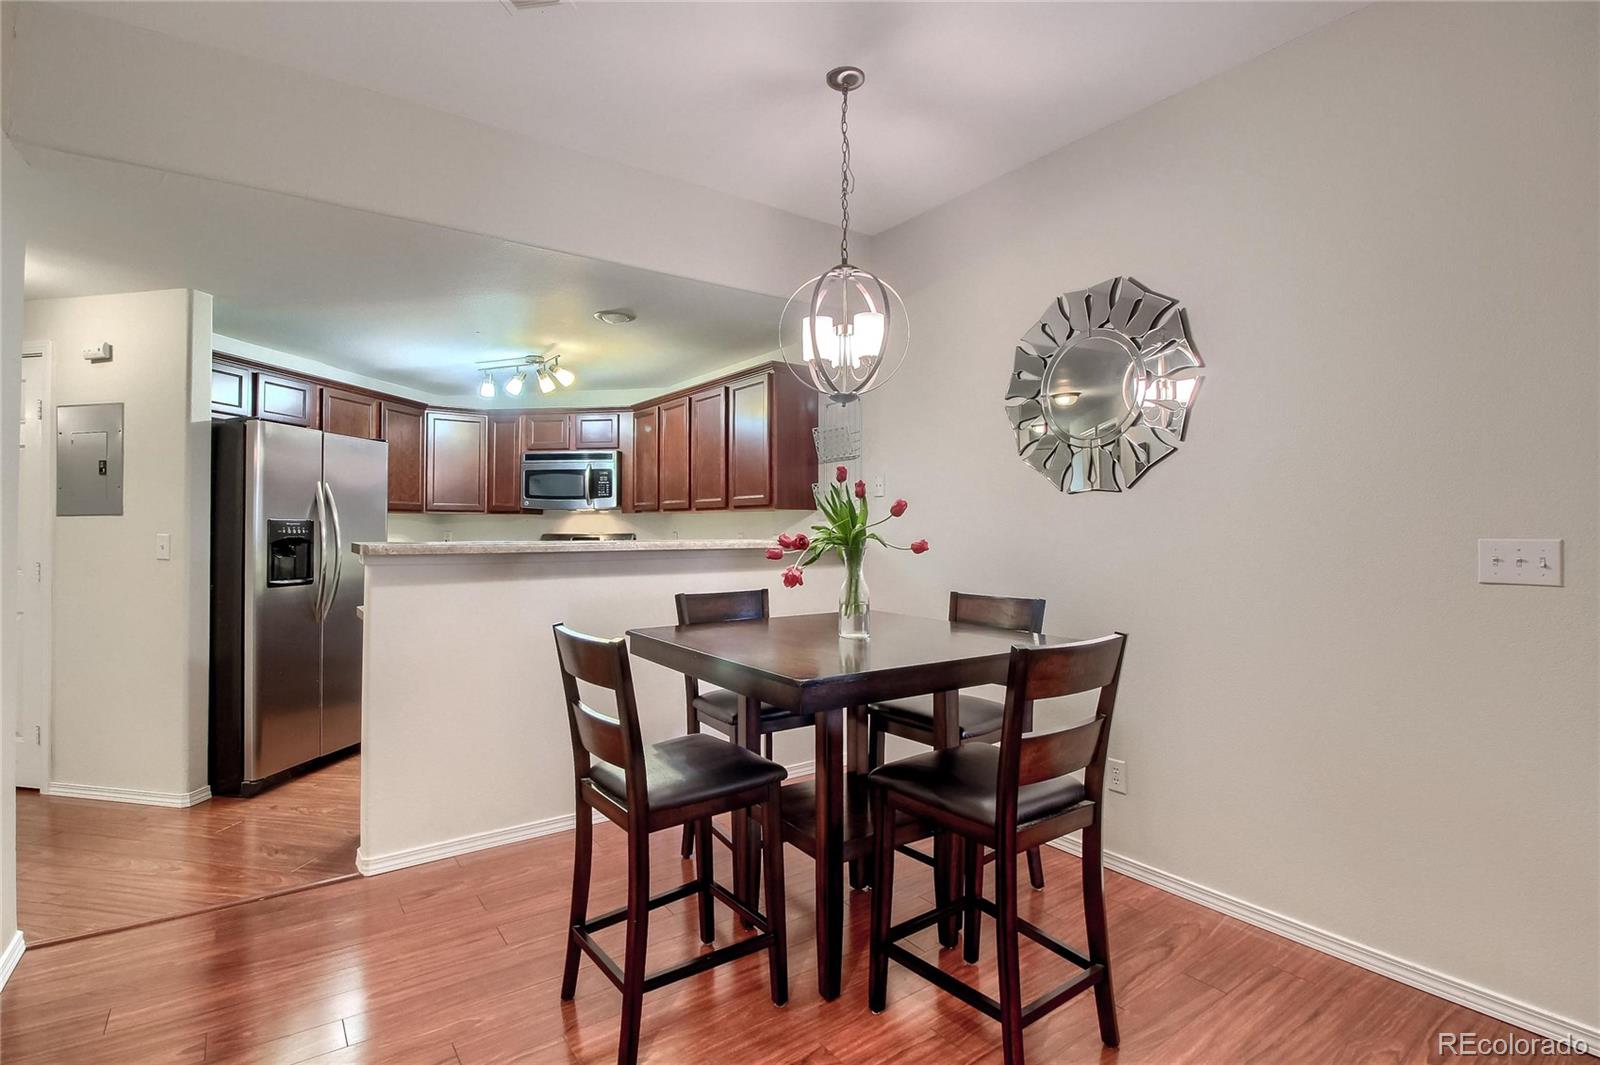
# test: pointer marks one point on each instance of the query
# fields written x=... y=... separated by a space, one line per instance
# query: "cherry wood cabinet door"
x=402 y=428
x=596 y=430
x=286 y=399
x=351 y=414
x=708 y=448
x=457 y=466
x=232 y=390
x=547 y=432
x=673 y=430
x=646 y=459
x=505 y=465
x=750 y=442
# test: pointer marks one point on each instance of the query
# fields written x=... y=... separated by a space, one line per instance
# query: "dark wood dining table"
x=800 y=664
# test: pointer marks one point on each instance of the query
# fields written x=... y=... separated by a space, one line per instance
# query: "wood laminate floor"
x=459 y=962
x=85 y=866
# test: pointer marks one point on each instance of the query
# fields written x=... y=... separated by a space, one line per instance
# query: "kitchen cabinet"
x=287 y=399
x=596 y=431
x=456 y=464
x=646 y=460
x=546 y=431
x=232 y=390
x=672 y=429
x=505 y=464
x=750 y=442
x=708 y=448
x=402 y=428
x=351 y=413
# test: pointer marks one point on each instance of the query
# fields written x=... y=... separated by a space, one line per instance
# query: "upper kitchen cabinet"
x=772 y=459
x=750 y=442
x=596 y=431
x=505 y=464
x=287 y=399
x=672 y=430
x=708 y=448
x=646 y=468
x=457 y=461
x=547 y=431
x=402 y=428
x=232 y=390
x=351 y=413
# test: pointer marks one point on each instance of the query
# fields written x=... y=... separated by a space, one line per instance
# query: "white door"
x=33 y=585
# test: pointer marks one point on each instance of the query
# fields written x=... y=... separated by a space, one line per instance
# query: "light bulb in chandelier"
x=563 y=376
x=515 y=383
x=546 y=385
x=486 y=386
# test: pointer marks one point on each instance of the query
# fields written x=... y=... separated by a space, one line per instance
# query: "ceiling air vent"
x=514 y=6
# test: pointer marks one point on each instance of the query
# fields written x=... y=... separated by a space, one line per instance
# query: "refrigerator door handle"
x=338 y=548
x=319 y=597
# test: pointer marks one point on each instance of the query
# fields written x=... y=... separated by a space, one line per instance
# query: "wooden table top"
x=799 y=662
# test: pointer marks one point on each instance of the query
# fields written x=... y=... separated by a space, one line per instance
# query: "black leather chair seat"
x=979 y=717
x=962 y=781
x=689 y=769
x=723 y=705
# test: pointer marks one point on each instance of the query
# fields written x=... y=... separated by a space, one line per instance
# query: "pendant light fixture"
x=486 y=386
x=844 y=332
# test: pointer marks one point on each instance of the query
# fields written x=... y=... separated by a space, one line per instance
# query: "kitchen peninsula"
x=464 y=738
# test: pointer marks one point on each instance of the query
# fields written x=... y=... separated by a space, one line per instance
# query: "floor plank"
x=458 y=963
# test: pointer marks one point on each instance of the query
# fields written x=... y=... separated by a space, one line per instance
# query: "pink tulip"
x=793 y=577
x=861 y=489
x=775 y=553
x=841 y=474
x=918 y=546
x=786 y=541
x=897 y=508
x=801 y=541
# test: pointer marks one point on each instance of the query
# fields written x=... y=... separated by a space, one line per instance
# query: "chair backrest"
x=603 y=664
x=1048 y=673
x=997 y=611
x=702 y=608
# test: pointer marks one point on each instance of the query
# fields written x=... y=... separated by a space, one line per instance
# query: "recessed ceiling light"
x=616 y=317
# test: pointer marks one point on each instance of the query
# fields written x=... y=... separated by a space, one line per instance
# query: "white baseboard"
x=10 y=956
x=373 y=865
x=133 y=795
x=1492 y=1003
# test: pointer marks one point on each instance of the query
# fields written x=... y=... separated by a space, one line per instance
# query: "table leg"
x=856 y=752
x=746 y=836
x=830 y=851
x=946 y=854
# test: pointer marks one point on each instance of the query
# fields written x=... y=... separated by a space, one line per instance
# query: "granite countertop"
x=458 y=548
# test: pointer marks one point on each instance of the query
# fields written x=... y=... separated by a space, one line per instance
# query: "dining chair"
x=912 y=719
x=1016 y=795
x=716 y=708
x=644 y=788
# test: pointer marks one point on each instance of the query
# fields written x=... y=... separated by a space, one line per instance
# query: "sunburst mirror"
x=1102 y=385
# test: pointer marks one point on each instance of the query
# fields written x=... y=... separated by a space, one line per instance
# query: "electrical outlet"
x=877 y=485
x=1117 y=775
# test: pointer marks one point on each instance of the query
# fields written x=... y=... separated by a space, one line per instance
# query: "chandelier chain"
x=847 y=177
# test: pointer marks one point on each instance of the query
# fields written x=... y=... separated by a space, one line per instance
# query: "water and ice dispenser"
x=289 y=551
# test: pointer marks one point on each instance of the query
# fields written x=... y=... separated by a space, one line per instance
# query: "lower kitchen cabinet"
x=402 y=428
x=456 y=462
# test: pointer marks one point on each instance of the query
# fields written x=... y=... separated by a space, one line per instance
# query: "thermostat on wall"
x=99 y=354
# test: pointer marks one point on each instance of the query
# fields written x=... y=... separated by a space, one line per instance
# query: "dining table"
x=800 y=664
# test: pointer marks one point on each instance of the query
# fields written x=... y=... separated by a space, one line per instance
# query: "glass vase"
x=853 y=602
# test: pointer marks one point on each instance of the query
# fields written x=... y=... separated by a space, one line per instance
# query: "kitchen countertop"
x=460 y=548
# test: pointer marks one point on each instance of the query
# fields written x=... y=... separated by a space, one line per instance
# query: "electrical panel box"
x=89 y=459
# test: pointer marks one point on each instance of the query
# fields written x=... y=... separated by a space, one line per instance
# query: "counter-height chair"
x=1019 y=794
x=645 y=788
x=912 y=719
x=715 y=708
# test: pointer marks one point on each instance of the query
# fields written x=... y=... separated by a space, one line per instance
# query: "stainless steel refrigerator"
x=286 y=505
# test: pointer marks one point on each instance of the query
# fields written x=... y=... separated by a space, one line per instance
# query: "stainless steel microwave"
x=571 y=480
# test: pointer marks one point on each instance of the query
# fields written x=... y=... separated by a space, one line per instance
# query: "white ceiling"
x=730 y=95
x=401 y=301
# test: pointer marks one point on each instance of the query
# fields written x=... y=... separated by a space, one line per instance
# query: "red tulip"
x=918 y=546
x=775 y=553
x=786 y=541
x=793 y=577
x=861 y=489
x=801 y=541
x=898 y=508
x=841 y=474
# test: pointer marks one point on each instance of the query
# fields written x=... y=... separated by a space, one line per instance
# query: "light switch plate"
x=163 y=547
x=1520 y=562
